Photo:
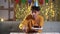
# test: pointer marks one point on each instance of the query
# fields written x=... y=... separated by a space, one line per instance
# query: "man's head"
x=35 y=10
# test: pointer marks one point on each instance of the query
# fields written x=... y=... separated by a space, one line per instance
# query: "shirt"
x=31 y=21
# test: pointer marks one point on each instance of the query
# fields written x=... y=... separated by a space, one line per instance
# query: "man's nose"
x=33 y=13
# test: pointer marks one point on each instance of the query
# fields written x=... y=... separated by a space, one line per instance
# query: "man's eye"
x=33 y=12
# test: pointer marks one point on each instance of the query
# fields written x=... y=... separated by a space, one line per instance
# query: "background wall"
x=4 y=13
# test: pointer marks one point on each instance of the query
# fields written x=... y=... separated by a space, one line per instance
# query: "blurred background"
x=12 y=12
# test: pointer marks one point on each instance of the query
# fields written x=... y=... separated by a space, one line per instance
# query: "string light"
x=46 y=3
x=2 y=19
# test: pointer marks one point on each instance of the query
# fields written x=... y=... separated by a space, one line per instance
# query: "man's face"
x=35 y=13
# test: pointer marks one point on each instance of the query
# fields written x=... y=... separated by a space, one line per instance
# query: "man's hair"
x=37 y=8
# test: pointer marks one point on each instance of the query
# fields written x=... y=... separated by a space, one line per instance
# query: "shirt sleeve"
x=24 y=23
x=41 y=21
x=41 y=24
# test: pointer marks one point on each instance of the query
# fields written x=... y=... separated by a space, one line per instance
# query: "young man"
x=33 y=20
